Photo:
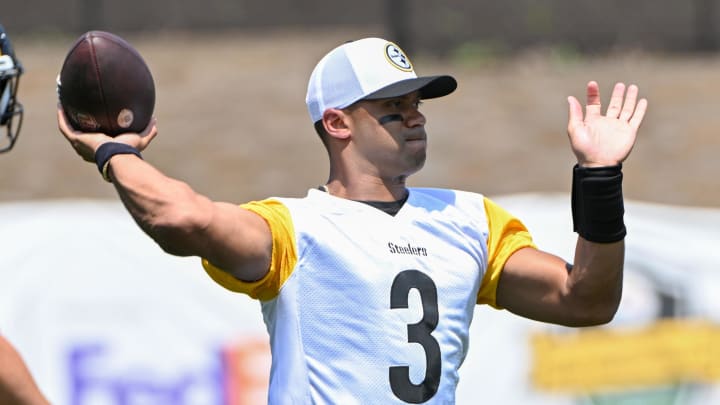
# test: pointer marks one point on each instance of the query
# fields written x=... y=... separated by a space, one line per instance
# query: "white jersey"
x=367 y=308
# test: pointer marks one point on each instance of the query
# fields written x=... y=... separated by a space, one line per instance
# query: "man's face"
x=390 y=134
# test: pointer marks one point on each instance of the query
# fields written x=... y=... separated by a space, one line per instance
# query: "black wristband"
x=597 y=203
x=108 y=150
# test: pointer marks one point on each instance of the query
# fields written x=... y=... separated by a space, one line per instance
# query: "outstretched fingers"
x=630 y=103
x=623 y=105
x=593 y=106
x=616 y=100
x=639 y=114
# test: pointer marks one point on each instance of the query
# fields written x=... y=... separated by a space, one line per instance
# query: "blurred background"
x=231 y=78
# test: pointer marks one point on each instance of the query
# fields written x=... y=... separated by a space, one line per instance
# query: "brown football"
x=106 y=86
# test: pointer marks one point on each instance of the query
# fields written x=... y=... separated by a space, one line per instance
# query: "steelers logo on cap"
x=397 y=57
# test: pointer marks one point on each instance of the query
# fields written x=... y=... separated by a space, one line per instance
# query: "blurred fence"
x=439 y=27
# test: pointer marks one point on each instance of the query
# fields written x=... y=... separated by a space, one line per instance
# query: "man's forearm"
x=168 y=210
x=596 y=278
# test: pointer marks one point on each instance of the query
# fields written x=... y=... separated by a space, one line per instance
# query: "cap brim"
x=428 y=86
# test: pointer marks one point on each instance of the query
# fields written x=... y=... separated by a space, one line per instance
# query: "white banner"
x=104 y=317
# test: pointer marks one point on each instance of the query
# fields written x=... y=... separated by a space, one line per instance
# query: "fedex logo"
x=235 y=375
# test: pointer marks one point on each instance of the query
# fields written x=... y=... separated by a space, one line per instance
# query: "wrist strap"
x=597 y=203
x=108 y=150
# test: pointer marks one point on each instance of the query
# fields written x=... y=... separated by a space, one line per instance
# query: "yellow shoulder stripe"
x=284 y=253
x=506 y=235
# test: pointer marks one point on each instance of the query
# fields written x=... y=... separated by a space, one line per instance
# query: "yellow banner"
x=601 y=359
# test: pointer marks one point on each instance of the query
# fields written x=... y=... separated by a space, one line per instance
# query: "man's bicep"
x=506 y=235
x=533 y=284
x=239 y=242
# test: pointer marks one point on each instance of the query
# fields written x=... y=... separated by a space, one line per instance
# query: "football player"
x=368 y=286
x=11 y=111
x=17 y=386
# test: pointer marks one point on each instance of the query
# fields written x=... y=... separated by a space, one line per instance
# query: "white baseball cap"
x=369 y=68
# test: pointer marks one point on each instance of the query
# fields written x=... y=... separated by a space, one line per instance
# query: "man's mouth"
x=413 y=138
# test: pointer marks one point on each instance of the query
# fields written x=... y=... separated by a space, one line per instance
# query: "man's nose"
x=414 y=118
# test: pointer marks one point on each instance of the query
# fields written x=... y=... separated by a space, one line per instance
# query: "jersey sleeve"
x=283 y=259
x=506 y=235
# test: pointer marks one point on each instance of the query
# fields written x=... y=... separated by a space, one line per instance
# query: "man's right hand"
x=86 y=143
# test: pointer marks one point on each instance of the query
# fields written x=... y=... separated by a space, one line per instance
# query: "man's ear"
x=335 y=123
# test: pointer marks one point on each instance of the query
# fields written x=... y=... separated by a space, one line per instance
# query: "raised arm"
x=542 y=286
x=181 y=221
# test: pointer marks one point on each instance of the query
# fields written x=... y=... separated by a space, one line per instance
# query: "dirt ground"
x=233 y=122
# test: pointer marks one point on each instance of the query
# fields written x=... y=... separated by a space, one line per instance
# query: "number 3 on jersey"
x=419 y=332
